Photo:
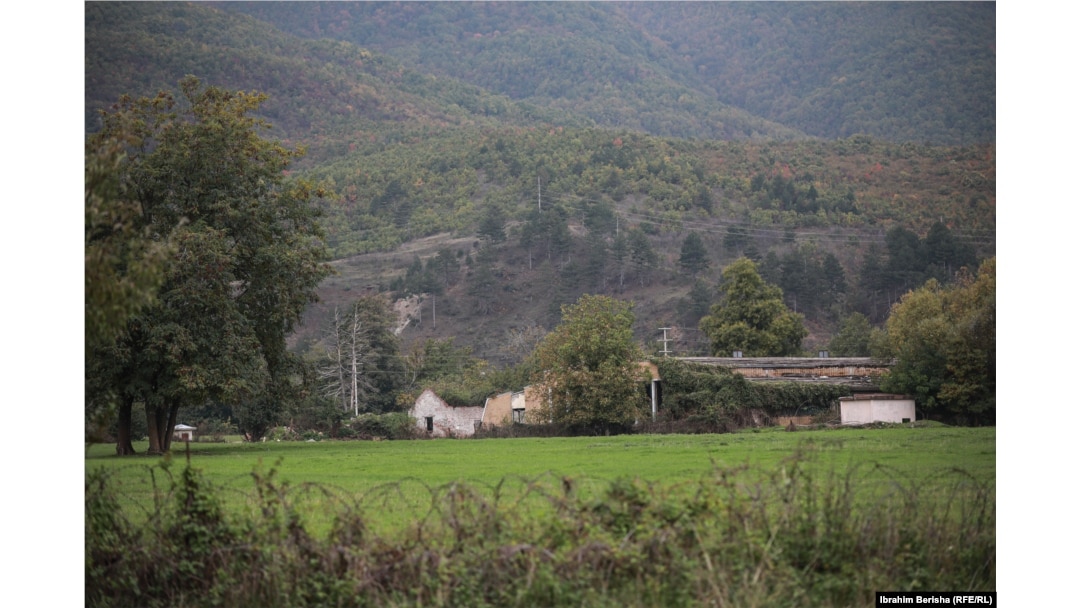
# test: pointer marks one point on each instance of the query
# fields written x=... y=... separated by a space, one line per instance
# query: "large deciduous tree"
x=123 y=266
x=248 y=257
x=589 y=367
x=123 y=269
x=944 y=340
x=751 y=316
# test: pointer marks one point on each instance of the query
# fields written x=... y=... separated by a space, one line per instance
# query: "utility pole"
x=665 y=340
x=538 y=209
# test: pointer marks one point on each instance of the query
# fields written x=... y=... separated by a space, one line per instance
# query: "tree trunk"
x=160 y=422
x=168 y=434
x=153 y=429
x=352 y=356
x=123 y=429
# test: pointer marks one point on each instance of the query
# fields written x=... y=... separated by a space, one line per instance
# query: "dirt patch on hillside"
x=407 y=311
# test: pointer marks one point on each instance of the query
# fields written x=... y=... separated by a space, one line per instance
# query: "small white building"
x=439 y=419
x=183 y=432
x=876 y=407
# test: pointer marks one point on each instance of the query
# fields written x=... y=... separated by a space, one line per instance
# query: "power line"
x=721 y=226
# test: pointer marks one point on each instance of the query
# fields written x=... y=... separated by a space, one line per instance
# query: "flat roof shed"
x=876 y=407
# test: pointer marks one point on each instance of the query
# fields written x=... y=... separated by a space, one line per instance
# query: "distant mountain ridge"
x=902 y=71
x=322 y=92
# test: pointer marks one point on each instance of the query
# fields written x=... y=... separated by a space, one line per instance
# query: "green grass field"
x=756 y=518
x=394 y=481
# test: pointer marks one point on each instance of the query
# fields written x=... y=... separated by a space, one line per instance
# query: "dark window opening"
x=430 y=422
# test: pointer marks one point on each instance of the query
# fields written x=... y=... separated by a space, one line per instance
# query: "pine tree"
x=694 y=258
x=751 y=316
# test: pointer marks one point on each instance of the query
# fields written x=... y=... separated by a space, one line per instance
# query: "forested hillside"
x=492 y=161
x=325 y=95
x=922 y=72
x=903 y=71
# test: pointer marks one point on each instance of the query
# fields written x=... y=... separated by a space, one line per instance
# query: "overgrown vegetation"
x=719 y=399
x=788 y=536
x=589 y=368
x=945 y=342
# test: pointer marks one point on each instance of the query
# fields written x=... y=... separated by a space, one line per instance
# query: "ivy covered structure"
x=714 y=394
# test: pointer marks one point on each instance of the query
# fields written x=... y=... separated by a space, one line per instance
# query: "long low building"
x=860 y=374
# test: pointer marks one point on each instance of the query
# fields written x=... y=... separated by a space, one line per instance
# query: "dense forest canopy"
x=922 y=72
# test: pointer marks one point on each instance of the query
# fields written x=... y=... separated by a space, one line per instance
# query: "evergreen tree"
x=771 y=269
x=853 y=339
x=642 y=256
x=446 y=266
x=945 y=254
x=696 y=304
x=736 y=239
x=751 y=316
x=694 y=258
x=482 y=282
x=835 y=281
x=596 y=260
x=906 y=265
x=493 y=224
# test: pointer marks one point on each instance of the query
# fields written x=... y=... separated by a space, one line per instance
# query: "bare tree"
x=343 y=374
x=520 y=342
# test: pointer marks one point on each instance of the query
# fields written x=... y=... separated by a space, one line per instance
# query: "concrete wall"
x=876 y=408
x=497 y=410
x=535 y=398
x=446 y=421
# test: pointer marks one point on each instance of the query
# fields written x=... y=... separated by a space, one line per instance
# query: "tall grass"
x=798 y=534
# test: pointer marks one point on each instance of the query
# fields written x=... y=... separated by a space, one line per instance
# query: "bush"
x=395 y=425
x=282 y=433
x=792 y=538
x=215 y=430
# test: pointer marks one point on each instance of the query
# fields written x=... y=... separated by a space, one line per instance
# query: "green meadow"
x=393 y=482
x=755 y=518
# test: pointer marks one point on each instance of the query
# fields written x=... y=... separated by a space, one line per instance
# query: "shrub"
x=792 y=537
x=215 y=430
x=282 y=433
x=395 y=425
